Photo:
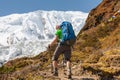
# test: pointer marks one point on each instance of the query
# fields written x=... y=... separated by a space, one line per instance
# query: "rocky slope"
x=99 y=39
x=96 y=53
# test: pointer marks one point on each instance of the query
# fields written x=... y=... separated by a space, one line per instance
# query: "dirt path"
x=61 y=76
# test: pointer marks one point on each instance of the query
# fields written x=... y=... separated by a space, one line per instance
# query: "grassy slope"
x=100 y=38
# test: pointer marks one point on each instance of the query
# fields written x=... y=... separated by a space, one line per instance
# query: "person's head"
x=57 y=26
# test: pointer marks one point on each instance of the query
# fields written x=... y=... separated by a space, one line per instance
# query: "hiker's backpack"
x=68 y=35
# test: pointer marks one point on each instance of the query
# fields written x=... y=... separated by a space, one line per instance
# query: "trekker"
x=62 y=48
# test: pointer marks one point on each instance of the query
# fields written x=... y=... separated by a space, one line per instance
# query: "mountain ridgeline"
x=95 y=54
x=30 y=33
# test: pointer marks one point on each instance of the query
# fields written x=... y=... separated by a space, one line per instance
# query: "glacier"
x=28 y=34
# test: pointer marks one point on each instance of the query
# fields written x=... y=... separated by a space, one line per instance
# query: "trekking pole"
x=50 y=54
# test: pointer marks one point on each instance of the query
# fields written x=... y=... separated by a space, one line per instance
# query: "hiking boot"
x=69 y=74
x=55 y=72
x=69 y=77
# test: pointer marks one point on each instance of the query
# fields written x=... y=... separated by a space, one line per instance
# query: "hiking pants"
x=62 y=49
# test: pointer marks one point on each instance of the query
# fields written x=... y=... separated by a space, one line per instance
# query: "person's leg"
x=69 y=69
x=55 y=65
x=67 y=55
x=57 y=53
x=55 y=68
x=68 y=65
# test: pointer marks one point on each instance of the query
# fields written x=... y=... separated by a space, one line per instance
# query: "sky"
x=8 y=7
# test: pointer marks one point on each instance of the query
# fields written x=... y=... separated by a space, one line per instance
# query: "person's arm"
x=54 y=41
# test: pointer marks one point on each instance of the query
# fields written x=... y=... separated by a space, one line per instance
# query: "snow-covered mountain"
x=30 y=33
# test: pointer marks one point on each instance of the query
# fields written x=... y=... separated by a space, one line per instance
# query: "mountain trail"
x=47 y=75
